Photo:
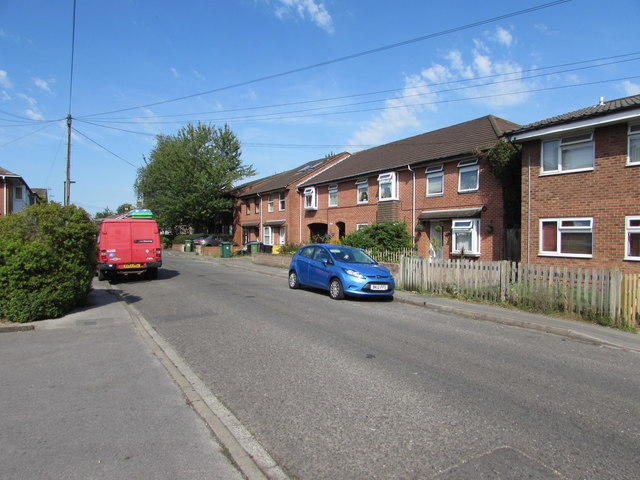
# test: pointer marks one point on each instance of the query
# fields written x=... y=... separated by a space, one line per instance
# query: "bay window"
x=566 y=237
x=632 y=232
x=567 y=154
x=465 y=236
x=310 y=199
x=387 y=186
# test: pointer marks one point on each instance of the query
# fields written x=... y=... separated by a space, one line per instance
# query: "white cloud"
x=315 y=11
x=399 y=113
x=4 y=79
x=630 y=88
x=33 y=112
x=174 y=72
x=503 y=36
x=42 y=84
x=198 y=74
x=5 y=96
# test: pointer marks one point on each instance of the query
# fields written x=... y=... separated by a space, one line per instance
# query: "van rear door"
x=145 y=240
x=116 y=240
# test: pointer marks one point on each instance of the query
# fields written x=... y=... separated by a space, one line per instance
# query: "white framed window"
x=465 y=236
x=257 y=203
x=566 y=237
x=568 y=154
x=360 y=226
x=267 y=236
x=283 y=238
x=310 y=199
x=333 y=195
x=632 y=234
x=435 y=181
x=387 y=186
x=18 y=193
x=281 y=201
x=633 y=150
x=363 y=190
x=270 y=206
x=468 y=176
x=247 y=205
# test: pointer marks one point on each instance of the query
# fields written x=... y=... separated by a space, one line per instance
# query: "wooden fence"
x=602 y=295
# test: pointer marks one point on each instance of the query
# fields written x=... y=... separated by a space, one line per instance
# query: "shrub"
x=289 y=248
x=47 y=261
x=392 y=236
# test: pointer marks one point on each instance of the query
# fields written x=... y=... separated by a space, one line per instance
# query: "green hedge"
x=47 y=261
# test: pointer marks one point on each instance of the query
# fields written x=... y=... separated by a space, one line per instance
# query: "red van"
x=129 y=246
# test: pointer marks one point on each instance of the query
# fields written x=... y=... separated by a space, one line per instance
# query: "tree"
x=186 y=178
x=125 y=207
x=104 y=214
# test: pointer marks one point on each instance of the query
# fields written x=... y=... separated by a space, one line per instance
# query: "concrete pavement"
x=85 y=396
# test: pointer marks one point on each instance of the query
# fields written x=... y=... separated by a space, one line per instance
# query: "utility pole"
x=67 y=183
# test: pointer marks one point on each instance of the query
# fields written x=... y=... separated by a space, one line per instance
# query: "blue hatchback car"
x=341 y=270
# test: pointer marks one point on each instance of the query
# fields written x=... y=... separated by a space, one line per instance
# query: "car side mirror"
x=326 y=261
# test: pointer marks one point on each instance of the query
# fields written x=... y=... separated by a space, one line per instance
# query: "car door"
x=320 y=268
x=303 y=259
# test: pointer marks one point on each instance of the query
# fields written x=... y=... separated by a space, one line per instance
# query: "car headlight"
x=354 y=273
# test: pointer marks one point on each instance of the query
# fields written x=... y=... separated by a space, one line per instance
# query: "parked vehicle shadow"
x=348 y=298
x=163 y=274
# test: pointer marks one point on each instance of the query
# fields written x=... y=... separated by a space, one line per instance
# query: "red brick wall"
x=350 y=213
x=607 y=194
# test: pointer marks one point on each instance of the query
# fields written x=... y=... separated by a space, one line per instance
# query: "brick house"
x=268 y=210
x=15 y=194
x=581 y=187
x=447 y=196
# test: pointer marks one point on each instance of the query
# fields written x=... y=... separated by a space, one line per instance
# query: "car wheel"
x=335 y=289
x=294 y=282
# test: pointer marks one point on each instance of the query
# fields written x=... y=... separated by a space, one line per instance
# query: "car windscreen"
x=349 y=255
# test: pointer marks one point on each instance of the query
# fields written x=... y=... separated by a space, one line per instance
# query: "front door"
x=435 y=239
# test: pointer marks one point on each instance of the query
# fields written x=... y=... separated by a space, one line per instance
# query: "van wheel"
x=101 y=275
x=152 y=273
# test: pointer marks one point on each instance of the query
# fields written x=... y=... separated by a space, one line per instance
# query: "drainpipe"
x=528 y=207
x=300 y=203
x=4 y=203
x=260 y=229
x=413 y=208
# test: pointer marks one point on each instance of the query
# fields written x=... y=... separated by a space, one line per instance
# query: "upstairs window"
x=310 y=199
x=468 y=176
x=633 y=156
x=270 y=203
x=363 y=190
x=333 y=195
x=632 y=231
x=281 y=201
x=568 y=154
x=247 y=205
x=435 y=181
x=387 y=186
x=566 y=237
x=465 y=236
x=18 y=194
x=257 y=205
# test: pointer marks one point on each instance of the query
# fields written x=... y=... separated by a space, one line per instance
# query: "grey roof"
x=282 y=180
x=605 y=108
x=7 y=173
x=450 y=142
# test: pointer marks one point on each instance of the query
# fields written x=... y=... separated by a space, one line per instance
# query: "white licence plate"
x=380 y=288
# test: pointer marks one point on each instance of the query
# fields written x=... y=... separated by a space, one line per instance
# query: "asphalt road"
x=384 y=390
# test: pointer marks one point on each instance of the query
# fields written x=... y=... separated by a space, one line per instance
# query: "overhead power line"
x=344 y=58
x=104 y=148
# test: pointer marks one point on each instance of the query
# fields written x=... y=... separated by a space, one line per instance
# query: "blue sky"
x=294 y=79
